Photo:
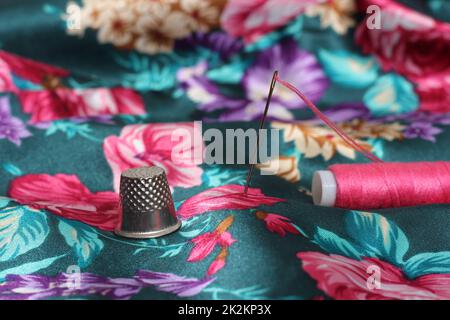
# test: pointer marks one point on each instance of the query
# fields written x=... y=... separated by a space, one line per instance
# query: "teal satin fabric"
x=289 y=249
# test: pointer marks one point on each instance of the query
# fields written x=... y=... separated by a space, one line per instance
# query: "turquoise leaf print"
x=156 y=77
x=332 y=243
x=230 y=73
x=172 y=250
x=377 y=236
x=217 y=176
x=71 y=129
x=426 y=263
x=4 y=202
x=21 y=230
x=159 y=72
x=83 y=239
x=377 y=147
x=25 y=84
x=30 y=267
x=391 y=94
x=194 y=226
x=293 y=30
x=12 y=169
x=255 y=292
x=349 y=70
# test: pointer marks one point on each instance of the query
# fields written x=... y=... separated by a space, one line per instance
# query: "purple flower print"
x=105 y=119
x=169 y=282
x=294 y=65
x=221 y=42
x=33 y=287
x=17 y=287
x=11 y=128
x=422 y=130
x=201 y=90
x=251 y=110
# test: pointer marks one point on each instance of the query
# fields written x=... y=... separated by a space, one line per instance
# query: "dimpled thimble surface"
x=146 y=203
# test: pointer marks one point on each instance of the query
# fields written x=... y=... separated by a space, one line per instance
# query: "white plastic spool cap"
x=324 y=188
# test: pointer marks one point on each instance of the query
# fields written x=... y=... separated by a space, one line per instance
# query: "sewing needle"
x=261 y=125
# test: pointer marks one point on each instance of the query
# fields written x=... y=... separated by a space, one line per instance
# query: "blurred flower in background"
x=337 y=14
x=252 y=19
x=148 y=26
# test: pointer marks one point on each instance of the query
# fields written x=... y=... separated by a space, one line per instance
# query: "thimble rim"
x=143 y=172
x=148 y=234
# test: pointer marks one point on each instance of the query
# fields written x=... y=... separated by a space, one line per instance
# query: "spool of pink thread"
x=378 y=184
x=382 y=185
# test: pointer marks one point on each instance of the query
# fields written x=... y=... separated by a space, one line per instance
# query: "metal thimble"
x=146 y=204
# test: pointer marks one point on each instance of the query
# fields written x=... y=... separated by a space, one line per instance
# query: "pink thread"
x=391 y=185
x=352 y=143
x=380 y=184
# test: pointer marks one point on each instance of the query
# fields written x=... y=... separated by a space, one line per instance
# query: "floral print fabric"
x=114 y=80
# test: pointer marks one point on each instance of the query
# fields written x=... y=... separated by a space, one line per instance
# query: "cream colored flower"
x=364 y=129
x=336 y=14
x=93 y=12
x=151 y=8
x=157 y=31
x=284 y=167
x=313 y=140
x=203 y=15
x=388 y=131
x=149 y=26
x=116 y=26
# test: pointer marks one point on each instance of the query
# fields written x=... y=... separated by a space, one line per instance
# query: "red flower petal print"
x=439 y=284
x=6 y=81
x=110 y=101
x=408 y=42
x=48 y=105
x=434 y=94
x=252 y=19
x=277 y=223
x=33 y=71
x=215 y=266
x=226 y=240
x=413 y=45
x=225 y=197
x=66 y=196
x=60 y=103
x=56 y=102
x=344 y=278
x=218 y=263
x=152 y=144
x=205 y=243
